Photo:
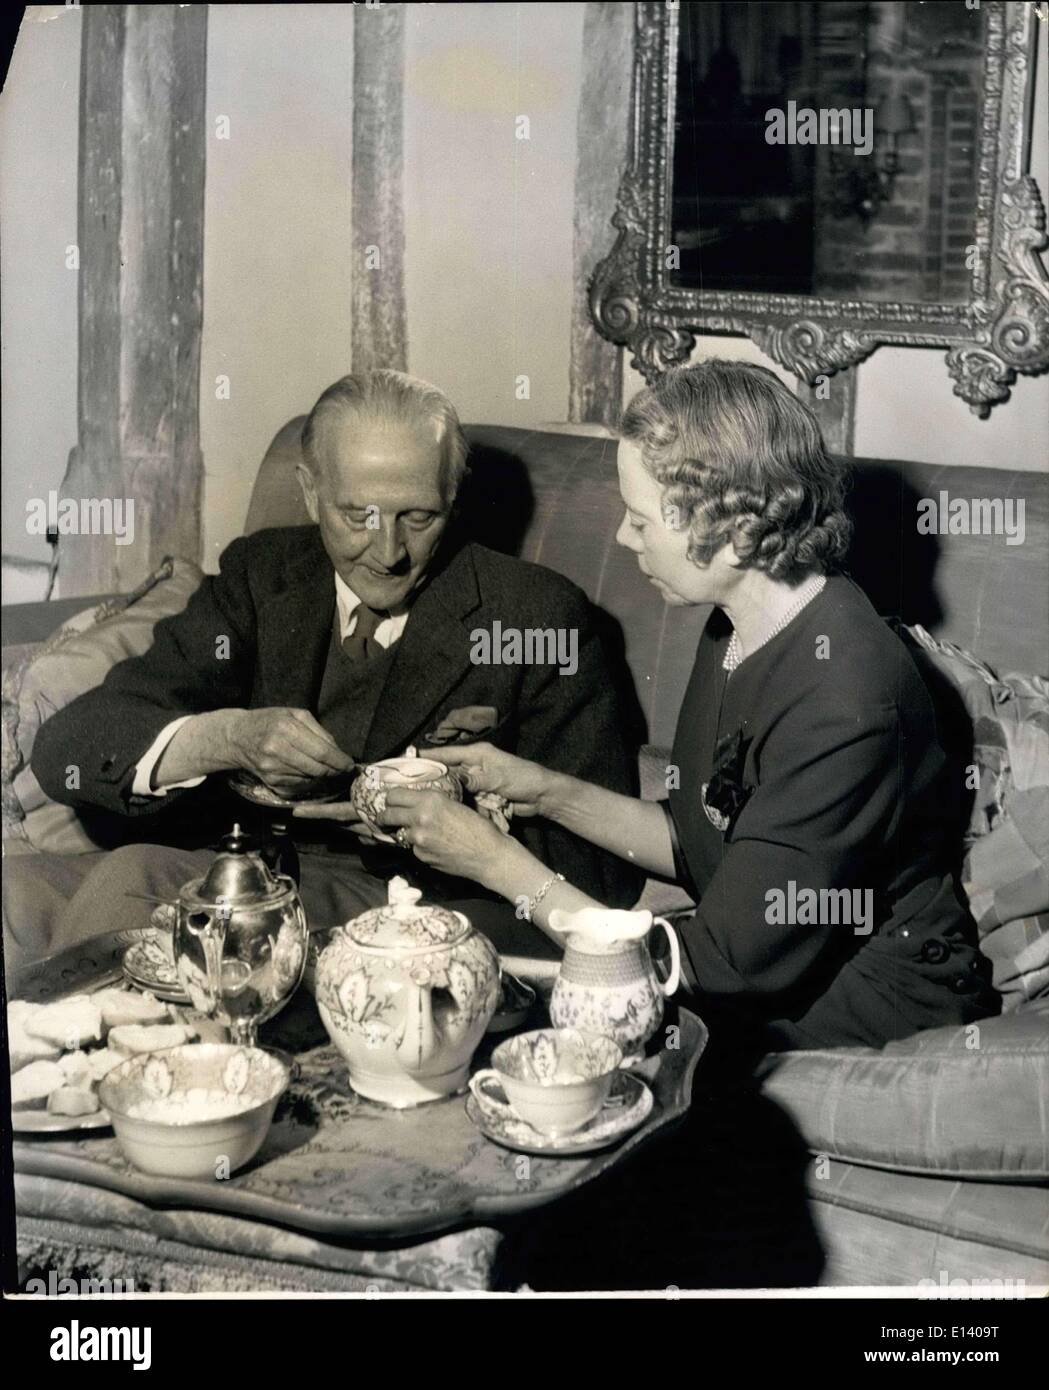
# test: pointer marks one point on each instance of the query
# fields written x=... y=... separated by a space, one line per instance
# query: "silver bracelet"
x=534 y=902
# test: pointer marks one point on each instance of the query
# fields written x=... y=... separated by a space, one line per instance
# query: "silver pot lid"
x=238 y=876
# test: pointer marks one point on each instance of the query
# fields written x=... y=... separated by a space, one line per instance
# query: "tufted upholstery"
x=553 y=498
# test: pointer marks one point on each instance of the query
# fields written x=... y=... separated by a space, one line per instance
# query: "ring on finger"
x=402 y=838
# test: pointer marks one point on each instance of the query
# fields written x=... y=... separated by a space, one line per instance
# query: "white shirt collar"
x=388 y=631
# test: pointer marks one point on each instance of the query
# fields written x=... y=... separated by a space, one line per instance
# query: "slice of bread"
x=133 y=1037
x=102 y=1061
x=73 y=1100
x=21 y=1047
x=76 y=1068
x=18 y=1010
x=31 y=1086
x=121 y=1006
x=70 y=1023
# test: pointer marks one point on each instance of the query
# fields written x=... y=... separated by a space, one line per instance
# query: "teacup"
x=555 y=1079
x=420 y=774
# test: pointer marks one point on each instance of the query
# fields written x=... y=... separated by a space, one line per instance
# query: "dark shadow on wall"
x=496 y=505
x=896 y=567
x=891 y=562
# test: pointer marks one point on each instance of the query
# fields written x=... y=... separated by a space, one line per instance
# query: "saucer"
x=515 y=1003
x=43 y=1122
x=251 y=789
x=149 y=964
x=628 y=1105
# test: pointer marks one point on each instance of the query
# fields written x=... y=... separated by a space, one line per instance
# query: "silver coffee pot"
x=240 y=939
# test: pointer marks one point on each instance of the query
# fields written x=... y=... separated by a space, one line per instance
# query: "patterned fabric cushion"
x=1005 y=749
x=42 y=679
x=75 y=1228
x=964 y=1102
x=1006 y=879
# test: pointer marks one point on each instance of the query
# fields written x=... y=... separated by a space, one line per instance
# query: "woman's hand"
x=485 y=768
x=444 y=833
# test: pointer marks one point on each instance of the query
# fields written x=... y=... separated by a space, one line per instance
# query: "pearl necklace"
x=808 y=591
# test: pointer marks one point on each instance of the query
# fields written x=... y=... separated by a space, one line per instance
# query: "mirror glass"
x=827 y=148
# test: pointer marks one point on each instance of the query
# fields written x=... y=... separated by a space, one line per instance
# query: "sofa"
x=927 y=1161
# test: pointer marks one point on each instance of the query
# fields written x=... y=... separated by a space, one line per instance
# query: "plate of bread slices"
x=61 y=1050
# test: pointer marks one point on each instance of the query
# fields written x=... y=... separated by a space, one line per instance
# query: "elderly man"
x=315 y=647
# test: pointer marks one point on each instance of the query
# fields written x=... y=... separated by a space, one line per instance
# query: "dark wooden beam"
x=378 y=317
x=834 y=403
x=140 y=235
x=595 y=390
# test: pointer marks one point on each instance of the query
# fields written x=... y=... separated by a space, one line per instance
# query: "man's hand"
x=285 y=748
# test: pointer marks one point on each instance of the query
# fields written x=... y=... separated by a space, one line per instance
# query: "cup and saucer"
x=557 y=1092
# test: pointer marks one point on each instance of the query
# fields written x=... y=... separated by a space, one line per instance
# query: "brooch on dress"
x=725 y=795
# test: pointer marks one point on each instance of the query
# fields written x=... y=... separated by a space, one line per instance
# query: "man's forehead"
x=394 y=457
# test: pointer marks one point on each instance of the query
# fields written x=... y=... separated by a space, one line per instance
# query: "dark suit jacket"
x=273 y=602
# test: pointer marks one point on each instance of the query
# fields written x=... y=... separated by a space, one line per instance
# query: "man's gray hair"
x=387 y=397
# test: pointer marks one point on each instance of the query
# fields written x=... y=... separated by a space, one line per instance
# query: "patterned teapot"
x=608 y=983
x=406 y=992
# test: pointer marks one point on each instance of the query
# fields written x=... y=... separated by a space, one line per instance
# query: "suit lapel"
x=295 y=630
x=430 y=657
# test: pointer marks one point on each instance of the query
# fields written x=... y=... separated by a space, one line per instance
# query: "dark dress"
x=820 y=755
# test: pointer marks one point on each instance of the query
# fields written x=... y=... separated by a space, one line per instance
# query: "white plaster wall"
x=488 y=256
x=488 y=217
x=276 y=236
x=38 y=293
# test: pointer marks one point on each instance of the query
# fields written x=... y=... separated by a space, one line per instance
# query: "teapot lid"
x=406 y=923
x=238 y=874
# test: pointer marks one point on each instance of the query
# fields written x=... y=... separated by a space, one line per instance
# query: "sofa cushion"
x=962 y=1102
x=997 y=732
x=881 y=1229
x=46 y=678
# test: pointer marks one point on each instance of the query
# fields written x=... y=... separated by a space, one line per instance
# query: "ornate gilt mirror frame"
x=1001 y=330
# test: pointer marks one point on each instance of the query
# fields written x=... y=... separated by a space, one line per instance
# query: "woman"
x=806 y=810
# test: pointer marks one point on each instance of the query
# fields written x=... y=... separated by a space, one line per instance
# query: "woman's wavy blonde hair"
x=740 y=458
